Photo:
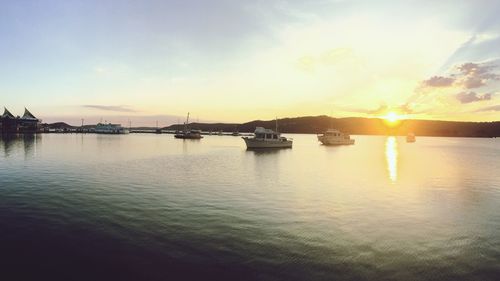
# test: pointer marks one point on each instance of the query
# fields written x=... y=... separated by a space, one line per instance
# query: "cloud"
x=471 y=68
x=475 y=75
x=468 y=97
x=468 y=68
x=466 y=76
x=406 y=108
x=473 y=82
x=485 y=37
x=380 y=110
x=438 y=81
x=375 y=111
x=489 y=108
x=116 y=108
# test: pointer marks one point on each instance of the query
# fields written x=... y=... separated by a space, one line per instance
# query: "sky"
x=236 y=61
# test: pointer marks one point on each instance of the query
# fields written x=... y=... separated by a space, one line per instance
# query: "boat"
x=236 y=132
x=114 y=129
x=267 y=138
x=187 y=133
x=410 y=137
x=335 y=137
x=158 y=130
x=190 y=134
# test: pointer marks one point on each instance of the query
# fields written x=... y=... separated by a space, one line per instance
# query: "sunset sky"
x=236 y=61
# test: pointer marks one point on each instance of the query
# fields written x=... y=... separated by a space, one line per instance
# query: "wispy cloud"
x=489 y=108
x=381 y=110
x=115 y=108
x=373 y=111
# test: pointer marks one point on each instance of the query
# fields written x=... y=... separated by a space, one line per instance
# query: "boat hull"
x=188 y=137
x=258 y=144
x=122 y=132
x=335 y=141
x=410 y=137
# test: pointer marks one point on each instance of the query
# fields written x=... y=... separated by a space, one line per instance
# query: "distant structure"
x=9 y=124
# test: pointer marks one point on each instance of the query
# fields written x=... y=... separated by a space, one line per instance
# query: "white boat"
x=110 y=129
x=267 y=138
x=410 y=137
x=335 y=137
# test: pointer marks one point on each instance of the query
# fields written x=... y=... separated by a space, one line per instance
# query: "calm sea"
x=151 y=207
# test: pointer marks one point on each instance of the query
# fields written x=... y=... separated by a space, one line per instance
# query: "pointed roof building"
x=7 y=114
x=28 y=115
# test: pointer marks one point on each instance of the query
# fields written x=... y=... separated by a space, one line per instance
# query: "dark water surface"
x=150 y=207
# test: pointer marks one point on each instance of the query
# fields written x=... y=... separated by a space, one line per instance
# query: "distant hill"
x=57 y=125
x=215 y=127
x=359 y=126
x=63 y=125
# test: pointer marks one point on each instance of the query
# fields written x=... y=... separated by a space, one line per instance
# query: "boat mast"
x=187 y=122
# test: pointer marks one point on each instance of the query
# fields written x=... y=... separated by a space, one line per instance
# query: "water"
x=151 y=207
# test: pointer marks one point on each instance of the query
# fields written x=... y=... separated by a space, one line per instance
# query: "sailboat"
x=187 y=133
x=158 y=130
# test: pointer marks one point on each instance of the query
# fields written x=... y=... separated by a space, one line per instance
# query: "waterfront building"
x=10 y=124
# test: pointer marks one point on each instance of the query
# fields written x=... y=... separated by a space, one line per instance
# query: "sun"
x=392 y=117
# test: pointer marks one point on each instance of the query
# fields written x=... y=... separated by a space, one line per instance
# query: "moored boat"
x=410 y=137
x=187 y=133
x=267 y=138
x=190 y=134
x=335 y=137
x=236 y=132
x=114 y=129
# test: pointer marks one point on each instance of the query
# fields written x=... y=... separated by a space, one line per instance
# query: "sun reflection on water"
x=391 y=155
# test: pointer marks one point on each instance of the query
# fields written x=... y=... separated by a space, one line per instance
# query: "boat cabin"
x=261 y=133
x=333 y=133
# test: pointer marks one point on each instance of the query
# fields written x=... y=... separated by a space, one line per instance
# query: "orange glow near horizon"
x=392 y=119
